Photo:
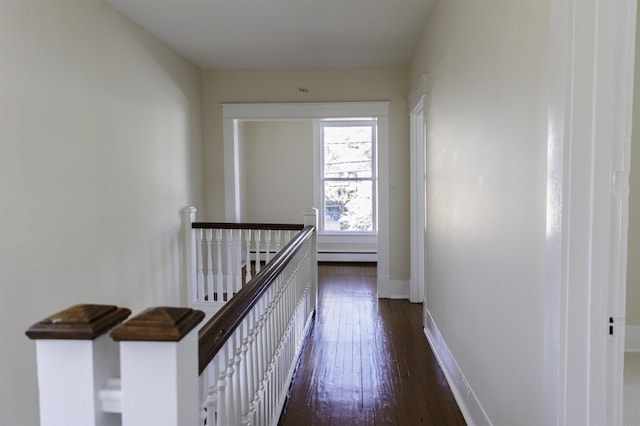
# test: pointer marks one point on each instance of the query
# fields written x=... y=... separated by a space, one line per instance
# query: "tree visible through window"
x=348 y=176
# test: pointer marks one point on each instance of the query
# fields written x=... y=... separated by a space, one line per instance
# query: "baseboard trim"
x=632 y=338
x=392 y=289
x=347 y=256
x=467 y=400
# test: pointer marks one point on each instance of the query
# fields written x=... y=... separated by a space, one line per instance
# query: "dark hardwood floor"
x=366 y=360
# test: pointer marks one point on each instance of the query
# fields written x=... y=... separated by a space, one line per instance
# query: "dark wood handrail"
x=261 y=226
x=214 y=334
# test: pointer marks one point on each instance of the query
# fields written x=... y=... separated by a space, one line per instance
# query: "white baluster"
x=203 y=384
x=221 y=369
x=230 y=396
x=229 y=254
x=262 y=360
x=219 y=278
x=238 y=260
x=273 y=357
x=267 y=243
x=248 y=261
x=285 y=306
x=258 y=242
x=278 y=240
x=254 y=349
x=210 y=282
x=201 y=254
x=238 y=374
x=246 y=368
x=280 y=340
x=212 y=393
x=270 y=352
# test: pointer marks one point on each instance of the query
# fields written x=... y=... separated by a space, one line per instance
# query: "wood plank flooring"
x=366 y=360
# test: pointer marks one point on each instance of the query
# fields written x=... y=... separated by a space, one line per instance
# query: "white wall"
x=100 y=148
x=486 y=67
x=324 y=85
x=278 y=170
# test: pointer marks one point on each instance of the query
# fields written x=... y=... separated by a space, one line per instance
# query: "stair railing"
x=249 y=350
x=160 y=367
x=222 y=257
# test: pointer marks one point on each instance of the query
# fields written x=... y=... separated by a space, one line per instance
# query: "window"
x=348 y=178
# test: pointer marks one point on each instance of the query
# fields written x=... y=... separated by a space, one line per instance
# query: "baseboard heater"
x=347 y=256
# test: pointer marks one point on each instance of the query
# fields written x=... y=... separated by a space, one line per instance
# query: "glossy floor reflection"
x=366 y=361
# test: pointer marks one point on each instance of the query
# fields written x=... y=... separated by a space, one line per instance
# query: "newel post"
x=159 y=367
x=75 y=359
x=190 y=266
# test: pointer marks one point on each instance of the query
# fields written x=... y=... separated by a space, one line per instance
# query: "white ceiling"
x=227 y=34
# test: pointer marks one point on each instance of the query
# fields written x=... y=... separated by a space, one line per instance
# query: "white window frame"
x=320 y=179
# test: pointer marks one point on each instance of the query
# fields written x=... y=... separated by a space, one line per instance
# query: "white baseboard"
x=346 y=256
x=469 y=404
x=632 y=338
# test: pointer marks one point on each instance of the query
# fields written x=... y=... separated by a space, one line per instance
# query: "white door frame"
x=418 y=146
x=232 y=114
x=591 y=81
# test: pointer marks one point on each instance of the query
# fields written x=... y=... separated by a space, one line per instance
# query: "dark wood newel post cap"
x=160 y=324
x=79 y=322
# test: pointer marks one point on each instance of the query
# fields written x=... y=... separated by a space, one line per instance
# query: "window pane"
x=348 y=206
x=347 y=151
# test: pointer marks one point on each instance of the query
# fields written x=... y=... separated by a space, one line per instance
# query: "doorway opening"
x=235 y=116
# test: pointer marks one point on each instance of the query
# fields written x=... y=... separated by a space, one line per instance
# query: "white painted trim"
x=383 y=285
x=347 y=256
x=418 y=140
x=615 y=108
x=231 y=174
x=466 y=398
x=316 y=171
x=293 y=111
x=233 y=113
x=418 y=92
x=591 y=53
x=556 y=297
x=383 y=203
x=632 y=338
x=371 y=239
x=320 y=179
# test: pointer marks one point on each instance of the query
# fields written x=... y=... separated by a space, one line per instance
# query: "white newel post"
x=190 y=260
x=75 y=359
x=159 y=367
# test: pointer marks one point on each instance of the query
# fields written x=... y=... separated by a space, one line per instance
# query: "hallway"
x=366 y=360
